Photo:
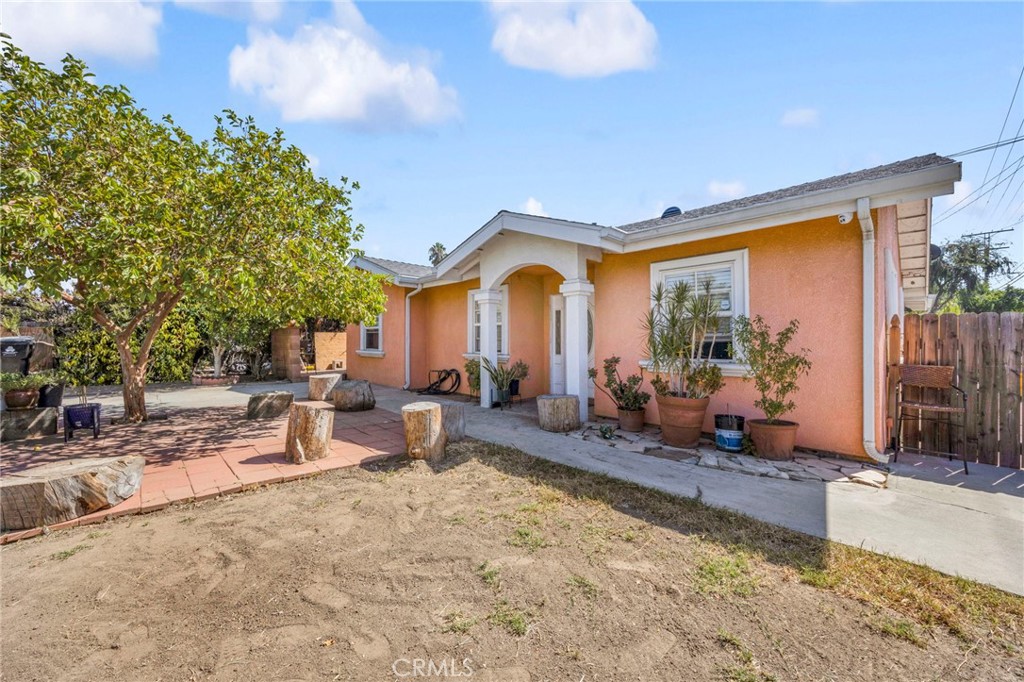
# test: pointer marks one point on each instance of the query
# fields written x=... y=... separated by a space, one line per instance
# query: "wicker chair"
x=935 y=377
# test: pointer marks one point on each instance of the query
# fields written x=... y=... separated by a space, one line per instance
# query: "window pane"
x=558 y=332
x=372 y=338
x=476 y=338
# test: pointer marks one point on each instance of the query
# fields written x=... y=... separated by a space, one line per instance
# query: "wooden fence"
x=987 y=350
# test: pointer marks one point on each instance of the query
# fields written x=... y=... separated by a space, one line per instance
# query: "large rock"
x=355 y=395
x=66 y=490
x=321 y=385
x=269 y=404
x=20 y=424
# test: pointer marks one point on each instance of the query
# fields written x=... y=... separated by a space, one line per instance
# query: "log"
x=63 y=491
x=268 y=404
x=309 y=432
x=558 y=413
x=453 y=419
x=353 y=396
x=321 y=385
x=425 y=437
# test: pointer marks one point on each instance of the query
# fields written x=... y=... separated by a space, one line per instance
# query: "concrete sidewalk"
x=931 y=513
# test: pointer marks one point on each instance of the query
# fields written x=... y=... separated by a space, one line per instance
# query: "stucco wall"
x=388 y=369
x=810 y=271
x=330 y=347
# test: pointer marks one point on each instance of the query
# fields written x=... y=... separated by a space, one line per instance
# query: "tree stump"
x=321 y=385
x=558 y=413
x=63 y=491
x=425 y=437
x=453 y=418
x=268 y=404
x=309 y=432
x=353 y=396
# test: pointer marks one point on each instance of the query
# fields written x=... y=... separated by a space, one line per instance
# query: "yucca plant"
x=678 y=326
x=503 y=375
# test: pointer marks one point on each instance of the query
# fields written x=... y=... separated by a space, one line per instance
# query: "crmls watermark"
x=423 y=667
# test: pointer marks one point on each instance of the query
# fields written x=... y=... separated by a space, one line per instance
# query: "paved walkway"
x=202 y=452
x=930 y=514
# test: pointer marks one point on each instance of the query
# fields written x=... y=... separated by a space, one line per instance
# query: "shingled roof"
x=400 y=268
x=835 y=182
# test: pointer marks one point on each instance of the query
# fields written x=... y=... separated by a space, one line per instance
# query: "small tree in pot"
x=503 y=375
x=775 y=371
x=679 y=330
x=21 y=391
x=629 y=399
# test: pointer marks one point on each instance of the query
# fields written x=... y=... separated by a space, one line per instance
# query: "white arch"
x=516 y=251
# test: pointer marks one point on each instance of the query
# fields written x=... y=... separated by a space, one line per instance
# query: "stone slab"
x=269 y=404
x=22 y=424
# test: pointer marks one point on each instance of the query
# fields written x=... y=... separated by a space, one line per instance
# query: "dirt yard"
x=497 y=565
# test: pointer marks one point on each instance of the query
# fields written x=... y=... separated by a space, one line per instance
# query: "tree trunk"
x=309 y=433
x=134 y=392
x=425 y=437
x=453 y=417
x=558 y=413
x=218 y=359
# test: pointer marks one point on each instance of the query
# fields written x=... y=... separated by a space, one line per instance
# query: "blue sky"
x=448 y=112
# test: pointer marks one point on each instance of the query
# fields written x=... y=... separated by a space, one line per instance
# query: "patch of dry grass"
x=967 y=609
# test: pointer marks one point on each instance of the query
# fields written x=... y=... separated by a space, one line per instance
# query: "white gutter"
x=408 y=337
x=867 y=229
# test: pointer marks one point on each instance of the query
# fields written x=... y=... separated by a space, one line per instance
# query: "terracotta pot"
x=773 y=440
x=631 y=420
x=21 y=398
x=682 y=419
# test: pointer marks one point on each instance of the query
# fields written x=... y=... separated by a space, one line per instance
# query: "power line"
x=956 y=208
x=986 y=147
x=1002 y=129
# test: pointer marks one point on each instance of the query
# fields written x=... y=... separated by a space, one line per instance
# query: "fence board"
x=968 y=378
x=987 y=352
x=1009 y=398
x=930 y=356
x=911 y=436
x=988 y=452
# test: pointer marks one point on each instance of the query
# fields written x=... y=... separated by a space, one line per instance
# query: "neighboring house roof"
x=399 y=268
x=833 y=183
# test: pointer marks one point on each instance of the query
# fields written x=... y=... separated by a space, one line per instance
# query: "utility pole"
x=989 y=247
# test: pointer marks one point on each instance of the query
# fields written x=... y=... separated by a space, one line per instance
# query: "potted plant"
x=51 y=392
x=84 y=415
x=503 y=375
x=679 y=330
x=472 y=368
x=629 y=399
x=775 y=371
x=21 y=391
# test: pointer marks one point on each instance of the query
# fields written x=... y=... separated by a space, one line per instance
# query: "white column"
x=488 y=300
x=577 y=293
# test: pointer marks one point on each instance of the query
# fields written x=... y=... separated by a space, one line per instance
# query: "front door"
x=557 y=344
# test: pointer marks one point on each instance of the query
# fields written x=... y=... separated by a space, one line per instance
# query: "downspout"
x=867 y=229
x=408 y=337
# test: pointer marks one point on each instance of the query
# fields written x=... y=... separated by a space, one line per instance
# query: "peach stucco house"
x=843 y=255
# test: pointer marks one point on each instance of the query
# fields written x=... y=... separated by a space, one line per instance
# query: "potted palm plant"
x=502 y=377
x=629 y=399
x=774 y=371
x=679 y=329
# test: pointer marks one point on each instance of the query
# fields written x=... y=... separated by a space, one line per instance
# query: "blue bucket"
x=729 y=433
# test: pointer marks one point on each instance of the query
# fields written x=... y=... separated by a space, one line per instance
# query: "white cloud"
x=533 y=207
x=264 y=11
x=718 y=189
x=338 y=72
x=46 y=31
x=574 y=39
x=800 y=118
x=961 y=191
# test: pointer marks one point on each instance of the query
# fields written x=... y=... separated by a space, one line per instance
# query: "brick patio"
x=199 y=454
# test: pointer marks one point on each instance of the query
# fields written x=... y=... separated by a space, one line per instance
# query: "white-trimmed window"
x=473 y=323
x=371 y=338
x=727 y=275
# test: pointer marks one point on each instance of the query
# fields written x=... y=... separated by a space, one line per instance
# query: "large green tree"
x=110 y=209
x=964 y=269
